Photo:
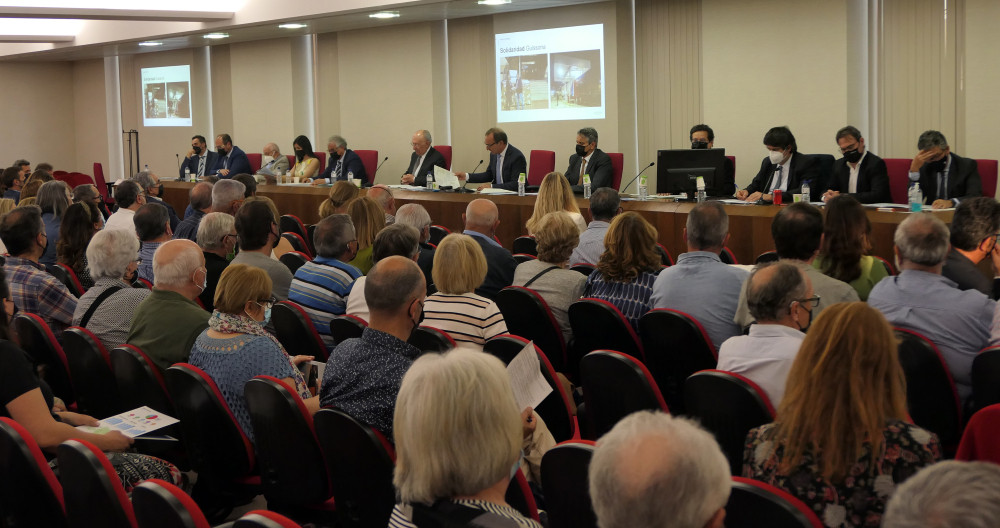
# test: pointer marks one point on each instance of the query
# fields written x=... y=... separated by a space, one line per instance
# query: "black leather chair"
x=310 y=238
x=565 y=485
x=296 y=331
x=30 y=494
x=90 y=366
x=616 y=385
x=160 y=504
x=521 y=258
x=91 y=488
x=527 y=315
x=346 y=327
x=437 y=234
x=599 y=325
x=753 y=504
x=429 y=339
x=986 y=378
x=677 y=346
x=293 y=260
x=45 y=351
x=67 y=276
x=930 y=390
x=526 y=244
x=665 y=258
x=727 y=256
x=767 y=256
x=298 y=243
x=264 y=519
x=583 y=267
x=520 y=498
x=289 y=223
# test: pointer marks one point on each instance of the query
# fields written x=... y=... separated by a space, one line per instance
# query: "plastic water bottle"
x=350 y=177
x=643 y=189
x=522 y=180
x=916 y=198
x=187 y=173
x=145 y=167
x=430 y=181
x=700 y=186
x=288 y=176
x=586 y=186
x=805 y=191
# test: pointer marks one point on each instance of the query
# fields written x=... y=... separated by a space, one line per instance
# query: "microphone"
x=637 y=176
x=380 y=164
x=178 y=161
x=767 y=184
x=462 y=188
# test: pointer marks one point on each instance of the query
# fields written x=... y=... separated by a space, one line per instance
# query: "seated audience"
x=548 y=274
x=82 y=221
x=653 y=469
x=628 y=267
x=88 y=193
x=841 y=439
x=42 y=167
x=106 y=308
x=167 y=322
x=843 y=254
x=217 y=240
x=129 y=197
x=974 y=231
x=227 y=196
x=283 y=245
x=321 y=285
x=605 y=204
x=54 y=197
x=24 y=166
x=368 y=219
x=555 y=194
x=12 y=180
x=700 y=284
x=481 y=219
x=258 y=232
x=33 y=289
x=399 y=240
x=152 y=225
x=235 y=347
x=6 y=206
x=154 y=190
x=363 y=374
x=200 y=205
x=39 y=175
x=457 y=468
x=341 y=194
x=306 y=162
x=949 y=494
x=781 y=300
x=249 y=182
x=415 y=215
x=30 y=191
x=383 y=195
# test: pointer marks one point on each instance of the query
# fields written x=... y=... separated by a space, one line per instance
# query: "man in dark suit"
x=974 y=239
x=422 y=161
x=341 y=162
x=703 y=137
x=481 y=219
x=784 y=168
x=415 y=215
x=945 y=178
x=859 y=173
x=199 y=159
x=507 y=163
x=594 y=162
x=232 y=159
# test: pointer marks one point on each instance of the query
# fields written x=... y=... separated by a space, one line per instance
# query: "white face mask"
x=266 y=159
x=776 y=156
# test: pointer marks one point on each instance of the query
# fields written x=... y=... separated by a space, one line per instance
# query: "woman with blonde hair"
x=470 y=319
x=341 y=194
x=555 y=194
x=628 y=267
x=841 y=440
x=368 y=218
x=843 y=255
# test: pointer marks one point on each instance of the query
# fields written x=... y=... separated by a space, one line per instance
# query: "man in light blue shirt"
x=605 y=204
x=700 y=284
x=922 y=300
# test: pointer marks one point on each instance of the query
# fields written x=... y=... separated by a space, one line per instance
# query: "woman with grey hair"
x=53 y=197
x=106 y=309
x=217 y=239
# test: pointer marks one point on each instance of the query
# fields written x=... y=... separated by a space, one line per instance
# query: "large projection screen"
x=166 y=96
x=550 y=74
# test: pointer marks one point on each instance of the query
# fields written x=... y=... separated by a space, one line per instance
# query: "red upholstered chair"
x=77 y=286
x=429 y=339
x=979 y=441
x=767 y=256
x=733 y=160
x=616 y=385
x=256 y=159
x=369 y=158
x=60 y=272
x=293 y=260
x=445 y=151
x=143 y=283
x=321 y=156
x=542 y=163
x=618 y=165
x=291 y=161
x=727 y=256
x=296 y=331
x=676 y=347
x=520 y=498
x=885 y=263
x=264 y=519
x=930 y=390
x=91 y=488
x=298 y=243
x=751 y=501
x=90 y=366
x=40 y=343
x=583 y=267
x=988 y=175
x=526 y=244
x=528 y=315
x=101 y=184
x=564 y=482
x=599 y=325
x=344 y=327
x=30 y=494
x=986 y=378
x=899 y=178
x=160 y=504
x=289 y=223
x=438 y=233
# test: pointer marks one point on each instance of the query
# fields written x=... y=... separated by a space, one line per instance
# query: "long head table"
x=749 y=225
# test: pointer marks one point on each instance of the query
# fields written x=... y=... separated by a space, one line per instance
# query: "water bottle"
x=350 y=177
x=521 y=181
x=700 y=186
x=145 y=167
x=430 y=181
x=643 y=189
x=916 y=198
x=586 y=186
x=288 y=176
x=805 y=191
x=187 y=173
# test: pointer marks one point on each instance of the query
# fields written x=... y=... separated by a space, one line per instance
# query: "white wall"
x=39 y=123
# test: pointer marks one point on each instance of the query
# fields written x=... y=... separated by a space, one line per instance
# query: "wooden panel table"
x=749 y=225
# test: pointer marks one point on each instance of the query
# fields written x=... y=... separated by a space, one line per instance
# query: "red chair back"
x=564 y=483
x=616 y=385
x=298 y=243
x=438 y=233
x=677 y=346
x=296 y=331
x=617 y=165
x=289 y=223
x=77 y=286
x=40 y=343
x=986 y=378
x=979 y=441
x=90 y=366
x=899 y=178
x=542 y=163
x=264 y=519
x=665 y=258
x=256 y=159
x=429 y=339
x=93 y=492
x=732 y=160
x=101 y=184
x=369 y=158
x=445 y=151
x=321 y=156
x=750 y=501
x=599 y=325
x=930 y=390
x=291 y=160
x=160 y=504
x=528 y=315
x=30 y=493
x=343 y=327
x=988 y=175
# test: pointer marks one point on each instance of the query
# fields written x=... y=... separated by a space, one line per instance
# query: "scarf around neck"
x=228 y=323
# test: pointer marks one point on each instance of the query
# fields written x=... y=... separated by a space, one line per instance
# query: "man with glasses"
x=258 y=232
x=422 y=161
x=506 y=163
x=974 y=238
x=129 y=196
x=859 y=173
x=217 y=239
x=782 y=300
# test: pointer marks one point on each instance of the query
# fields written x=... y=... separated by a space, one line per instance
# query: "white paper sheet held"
x=446 y=178
x=530 y=387
x=136 y=422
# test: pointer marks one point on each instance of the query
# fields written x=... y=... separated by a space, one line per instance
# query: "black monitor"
x=676 y=170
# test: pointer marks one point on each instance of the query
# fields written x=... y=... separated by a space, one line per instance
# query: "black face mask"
x=698 y=144
x=196 y=149
x=333 y=155
x=581 y=151
x=222 y=151
x=938 y=166
x=852 y=156
x=159 y=189
x=299 y=154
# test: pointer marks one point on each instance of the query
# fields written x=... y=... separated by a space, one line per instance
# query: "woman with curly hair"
x=555 y=194
x=842 y=256
x=80 y=222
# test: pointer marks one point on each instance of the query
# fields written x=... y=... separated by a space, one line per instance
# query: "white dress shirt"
x=765 y=357
x=782 y=181
x=852 y=182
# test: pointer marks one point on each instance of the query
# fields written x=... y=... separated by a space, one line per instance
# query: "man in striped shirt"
x=321 y=286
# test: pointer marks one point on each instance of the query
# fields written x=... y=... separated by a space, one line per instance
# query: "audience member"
x=283 y=246
x=481 y=219
x=106 y=308
x=395 y=240
x=82 y=220
x=258 y=234
x=368 y=219
x=167 y=322
x=781 y=300
x=154 y=190
x=235 y=347
x=628 y=267
x=29 y=192
x=6 y=206
x=341 y=194
x=152 y=225
x=363 y=374
x=859 y=173
x=217 y=240
x=227 y=196
x=841 y=439
x=414 y=214
x=921 y=299
x=382 y=194
x=43 y=167
x=948 y=494
x=54 y=197
x=24 y=166
x=653 y=469
x=39 y=175
x=974 y=231
x=200 y=205
x=554 y=195
x=12 y=180
x=470 y=319
x=129 y=197
x=605 y=204
x=249 y=182
x=700 y=284
x=842 y=256
x=88 y=193
x=306 y=162
x=548 y=274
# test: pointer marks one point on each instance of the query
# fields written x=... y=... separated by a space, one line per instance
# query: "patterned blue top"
x=234 y=361
x=631 y=298
x=321 y=288
x=146 y=252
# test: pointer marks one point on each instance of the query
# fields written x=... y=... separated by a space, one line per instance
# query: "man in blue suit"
x=199 y=159
x=232 y=159
x=506 y=163
x=341 y=162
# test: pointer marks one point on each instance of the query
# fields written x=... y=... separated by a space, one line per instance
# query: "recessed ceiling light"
x=216 y=35
x=150 y=44
x=292 y=26
x=385 y=14
x=494 y=2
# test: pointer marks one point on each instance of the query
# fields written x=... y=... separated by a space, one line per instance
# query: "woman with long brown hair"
x=841 y=440
x=80 y=221
x=843 y=255
x=555 y=194
x=368 y=218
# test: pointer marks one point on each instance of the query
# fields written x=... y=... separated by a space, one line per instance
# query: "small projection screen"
x=166 y=96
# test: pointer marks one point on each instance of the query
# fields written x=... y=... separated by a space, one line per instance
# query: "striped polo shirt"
x=321 y=287
x=469 y=319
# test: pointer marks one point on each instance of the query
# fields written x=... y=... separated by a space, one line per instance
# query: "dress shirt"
x=765 y=356
x=121 y=219
x=957 y=321
x=591 y=244
x=852 y=182
x=35 y=291
x=942 y=181
x=188 y=228
x=829 y=289
x=780 y=180
x=146 y=252
x=499 y=167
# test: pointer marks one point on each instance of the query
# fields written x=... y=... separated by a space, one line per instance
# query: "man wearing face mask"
x=945 y=177
x=258 y=234
x=859 y=173
x=341 y=161
x=363 y=374
x=273 y=163
x=703 y=137
x=505 y=166
x=217 y=240
x=151 y=185
x=784 y=168
x=232 y=159
x=591 y=160
x=166 y=323
x=199 y=159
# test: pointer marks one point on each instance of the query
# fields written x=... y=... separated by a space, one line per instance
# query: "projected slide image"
x=576 y=79
x=166 y=96
x=178 y=104
x=524 y=82
x=155 y=100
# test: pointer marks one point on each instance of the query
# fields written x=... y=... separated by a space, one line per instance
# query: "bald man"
x=423 y=160
x=201 y=204
x=481 y=219
x=166 y=324
x=383 y=195
x=274 y=163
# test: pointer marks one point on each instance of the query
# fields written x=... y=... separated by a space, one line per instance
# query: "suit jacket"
x=432 y=158
x=211 y=160
x=873 y=179
x=277 y=167
x=500 y=266
x=803 y=167
x=351 y=163
x=425 y=260
x=513 y=165
x=602 y=174
x=967 y=276
x=174 y=220
x=963 y=180
x=237 y=163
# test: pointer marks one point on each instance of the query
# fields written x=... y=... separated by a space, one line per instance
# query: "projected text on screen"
x=551 y=74
x=166 y=96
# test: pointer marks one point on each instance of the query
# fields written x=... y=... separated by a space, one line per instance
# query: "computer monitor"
x=677 y=169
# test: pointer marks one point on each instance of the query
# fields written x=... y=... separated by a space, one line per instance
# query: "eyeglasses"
x=850 y=148
x=811 y=302
x=491 y=144
x=226 y=237
x=266 y=305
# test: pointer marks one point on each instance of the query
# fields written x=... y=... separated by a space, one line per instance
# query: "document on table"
x=494 y=190
x=446 y=178
x=530 y=387
x=136 y=422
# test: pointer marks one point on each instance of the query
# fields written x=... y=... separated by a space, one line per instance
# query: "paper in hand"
x=136 y=422
x=446 y=178
x=525 y=372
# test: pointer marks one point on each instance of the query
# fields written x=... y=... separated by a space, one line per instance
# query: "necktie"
x=416 y=165
x=777 y=179
x=336 y=174
x=201 y=166
x=583 y=168
x=942 y=185
x=499 y=169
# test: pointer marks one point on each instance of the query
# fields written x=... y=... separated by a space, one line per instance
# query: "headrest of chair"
x=162 y=487
x=109 y=476
x=28 y=442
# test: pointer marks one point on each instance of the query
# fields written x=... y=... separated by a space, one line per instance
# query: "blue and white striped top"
x=321 y=287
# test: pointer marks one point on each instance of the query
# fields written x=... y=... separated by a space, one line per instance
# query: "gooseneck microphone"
x=767 y=184
x=637 y=176
x=462 y=188
x=380 y=164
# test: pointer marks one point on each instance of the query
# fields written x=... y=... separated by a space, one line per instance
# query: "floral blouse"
x=861 y=498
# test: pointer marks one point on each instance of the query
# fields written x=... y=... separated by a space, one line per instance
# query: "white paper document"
x=136 y=422
x=494 y=190
x=530 y=387
x=446 y=178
